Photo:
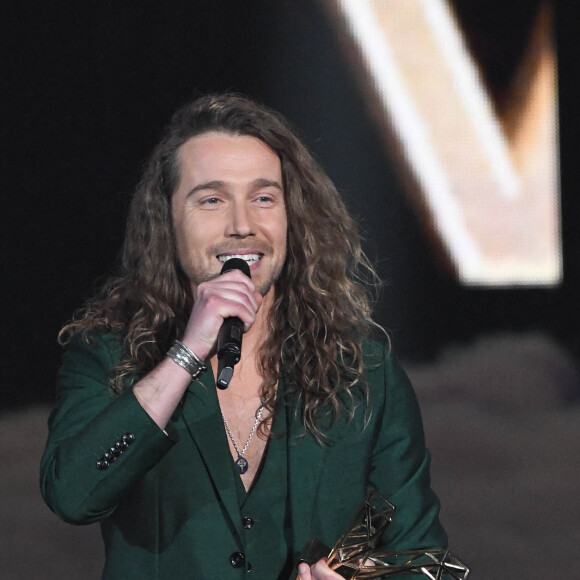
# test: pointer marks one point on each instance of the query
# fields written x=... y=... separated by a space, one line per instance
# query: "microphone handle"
x=229 y=349
x=229 y=341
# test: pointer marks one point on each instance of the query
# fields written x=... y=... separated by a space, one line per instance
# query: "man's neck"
x=241 y=401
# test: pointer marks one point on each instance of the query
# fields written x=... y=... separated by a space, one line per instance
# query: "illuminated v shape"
x=490 y=185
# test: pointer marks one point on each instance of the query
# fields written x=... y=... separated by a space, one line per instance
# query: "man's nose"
x=240 y=221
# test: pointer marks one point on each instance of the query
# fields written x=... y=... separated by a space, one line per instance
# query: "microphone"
x=229 y=340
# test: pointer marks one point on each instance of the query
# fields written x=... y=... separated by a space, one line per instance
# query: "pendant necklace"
x=241 y=462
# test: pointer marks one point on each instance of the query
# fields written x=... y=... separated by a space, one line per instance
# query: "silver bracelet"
x=187 y=359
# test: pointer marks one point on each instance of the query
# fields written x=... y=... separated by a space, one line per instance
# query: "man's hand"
x=318 y=571
x=231 y=294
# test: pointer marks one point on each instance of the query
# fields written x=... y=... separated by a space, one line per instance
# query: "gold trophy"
x=354 y=555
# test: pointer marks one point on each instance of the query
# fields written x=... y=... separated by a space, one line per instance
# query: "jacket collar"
x=203 y=419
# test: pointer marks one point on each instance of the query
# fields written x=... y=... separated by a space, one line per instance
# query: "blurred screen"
x=468 y=109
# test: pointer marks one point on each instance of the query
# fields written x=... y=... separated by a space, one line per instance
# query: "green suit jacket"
x=168 y=505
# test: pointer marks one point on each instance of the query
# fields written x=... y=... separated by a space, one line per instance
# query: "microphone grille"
x=236 y=264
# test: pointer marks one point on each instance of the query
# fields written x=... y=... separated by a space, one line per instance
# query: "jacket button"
x=247 y=522
x=128 y=438
x=237 y=559
x=122 y=445
x=102 y=464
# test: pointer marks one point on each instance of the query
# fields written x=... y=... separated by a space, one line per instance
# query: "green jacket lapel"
x=201 y=414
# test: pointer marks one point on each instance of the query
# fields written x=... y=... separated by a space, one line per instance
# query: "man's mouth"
x=249 y=258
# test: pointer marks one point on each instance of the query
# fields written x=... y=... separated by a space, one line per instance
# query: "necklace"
x=241 y=462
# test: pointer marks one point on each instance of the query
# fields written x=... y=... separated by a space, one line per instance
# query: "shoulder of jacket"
x=97 y=345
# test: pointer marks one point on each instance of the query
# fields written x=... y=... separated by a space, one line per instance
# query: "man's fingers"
x=304 y=572
x=318 y=571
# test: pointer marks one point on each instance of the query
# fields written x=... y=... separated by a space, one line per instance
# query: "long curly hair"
x=321 y=310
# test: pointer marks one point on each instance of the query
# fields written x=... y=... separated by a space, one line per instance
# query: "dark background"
x=87 y=87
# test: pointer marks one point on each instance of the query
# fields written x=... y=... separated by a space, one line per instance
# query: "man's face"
x=230 y=203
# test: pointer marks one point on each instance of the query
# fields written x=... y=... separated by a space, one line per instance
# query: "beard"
x=197 y=274
x=263 y=287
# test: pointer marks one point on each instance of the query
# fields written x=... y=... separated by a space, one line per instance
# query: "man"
x=190 y=481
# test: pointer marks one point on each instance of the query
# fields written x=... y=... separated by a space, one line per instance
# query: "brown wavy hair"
x=321 y=311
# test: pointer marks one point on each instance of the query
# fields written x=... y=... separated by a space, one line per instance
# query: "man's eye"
x=210 y=201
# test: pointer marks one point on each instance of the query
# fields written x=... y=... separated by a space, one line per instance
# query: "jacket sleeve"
x=99 y=444
x=400 y=465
